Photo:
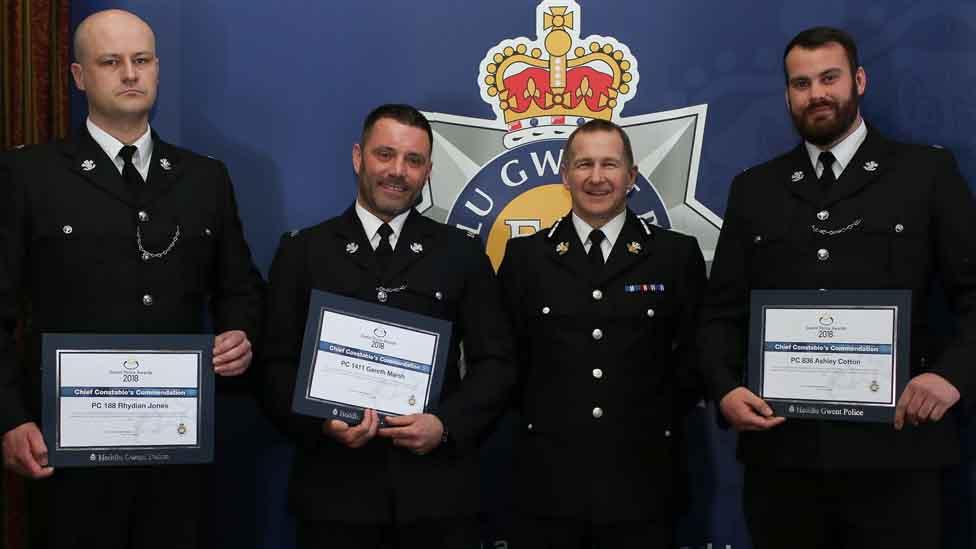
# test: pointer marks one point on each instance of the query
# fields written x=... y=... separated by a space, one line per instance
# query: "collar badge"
x=352 y=247
x=88 y=165
x=797 y=176
x=562 y=248
x=634 y=247
x=870 y=166
x=416 y=247
x=165 y=164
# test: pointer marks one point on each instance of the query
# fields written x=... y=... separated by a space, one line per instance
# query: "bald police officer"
x=116 y=231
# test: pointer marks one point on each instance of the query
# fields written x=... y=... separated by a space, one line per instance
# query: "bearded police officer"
x=604 y=306
x=116 y=231
x=846 y=209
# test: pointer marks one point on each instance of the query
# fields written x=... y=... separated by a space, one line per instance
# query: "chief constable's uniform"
x=900 y=216
x=435 y=270
x=70 y=233
x=607 y=371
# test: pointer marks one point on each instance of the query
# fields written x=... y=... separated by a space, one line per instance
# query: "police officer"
x=413 y=482
x=604 y=307
x=116 y=231
x=845 y=209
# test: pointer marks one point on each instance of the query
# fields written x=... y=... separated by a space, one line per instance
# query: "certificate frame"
x=822 y=302
x=321 y=302
x=56 y=346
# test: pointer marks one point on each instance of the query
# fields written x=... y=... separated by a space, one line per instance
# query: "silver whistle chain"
x=147 y=255
x=834 y=232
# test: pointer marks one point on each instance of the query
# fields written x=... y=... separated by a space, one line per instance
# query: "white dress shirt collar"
x=843 y=151
x=371 y=225
x=611 y=231
x=112 y=146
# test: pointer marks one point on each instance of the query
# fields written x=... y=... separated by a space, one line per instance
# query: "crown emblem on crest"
x=545 y=88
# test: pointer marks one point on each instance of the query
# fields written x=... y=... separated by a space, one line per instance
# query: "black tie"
x=827 y=178
x=595 y=255
x=384 y=251
x=129 y=172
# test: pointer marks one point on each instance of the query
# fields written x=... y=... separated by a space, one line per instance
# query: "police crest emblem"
x=499 y=178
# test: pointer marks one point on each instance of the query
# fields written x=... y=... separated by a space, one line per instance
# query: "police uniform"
x=68 y=242
x=607 y=372
x=899 y=217
x=436 y=271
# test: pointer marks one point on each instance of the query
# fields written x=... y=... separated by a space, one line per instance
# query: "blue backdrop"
x=277 y=90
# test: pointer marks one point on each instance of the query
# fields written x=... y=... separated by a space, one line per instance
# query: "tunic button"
x=757 y=239
x=597 y=295
x=650 y=313
x=143 y=216
x=597 y=412
x=598 y=334
x=147 y=300
x=208 y=232
x=823 y=254
x=899 y=228
x=439 y=296
x=67 y=229
x=529 y=426
x=823 y=215
x=545 y=310
x=597 y=373
x=667 y=433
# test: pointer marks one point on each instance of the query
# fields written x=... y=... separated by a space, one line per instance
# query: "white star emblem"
x=88 y=165
x=351 y=248
x=164 y=163
x=870 y=166
x=797 y=176
x=416 y=247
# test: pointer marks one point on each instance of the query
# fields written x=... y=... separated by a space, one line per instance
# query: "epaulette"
x=647 y=227
x=555 y=225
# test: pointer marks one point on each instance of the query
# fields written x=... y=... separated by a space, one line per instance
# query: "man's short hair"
x=599 y=125
x=404 y=114
x=817 y=37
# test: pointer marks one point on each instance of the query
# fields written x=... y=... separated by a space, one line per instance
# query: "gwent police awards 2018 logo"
x=499 y=178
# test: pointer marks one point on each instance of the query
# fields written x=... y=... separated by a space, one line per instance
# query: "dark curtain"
x=34 y=75
x=34 y=48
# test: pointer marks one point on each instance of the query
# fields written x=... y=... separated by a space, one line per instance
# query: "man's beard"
x=823 y=133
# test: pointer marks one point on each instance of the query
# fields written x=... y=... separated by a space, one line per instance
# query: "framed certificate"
x=358 y=355
x=127 y=399
x=830 y=354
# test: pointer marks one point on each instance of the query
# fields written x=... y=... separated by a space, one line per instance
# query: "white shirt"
x=610 y=231
x=372 y=224
x=112 y=146
x=843 y=151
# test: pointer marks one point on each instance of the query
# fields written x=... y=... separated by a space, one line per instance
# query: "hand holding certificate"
x=359 y=356
x=927 y=397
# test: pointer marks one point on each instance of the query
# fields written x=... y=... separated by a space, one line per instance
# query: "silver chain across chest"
x=147 y=255
x=835 y=232
x=383 y=294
